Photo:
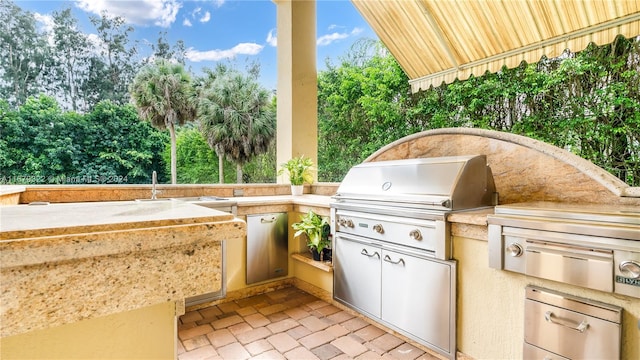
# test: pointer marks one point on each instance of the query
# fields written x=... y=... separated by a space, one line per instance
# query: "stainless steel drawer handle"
x=366 y=253
x=549 y=316
x=267 y=220
x=387 y=258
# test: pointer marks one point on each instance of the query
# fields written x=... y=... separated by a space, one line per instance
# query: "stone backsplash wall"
x=523 y=169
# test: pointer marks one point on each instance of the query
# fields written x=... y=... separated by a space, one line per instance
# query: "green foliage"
x=163 y=94
x=117 y=63
x=40 y=144
x=196 y=162
x=70 y=59
x=236 y=115
x=362 y=106
x=298 y=169
x=315 y=227
x=262 y=168
x=25 y=54
x=586 y=102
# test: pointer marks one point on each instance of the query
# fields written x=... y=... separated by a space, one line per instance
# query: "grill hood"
x=439 y=183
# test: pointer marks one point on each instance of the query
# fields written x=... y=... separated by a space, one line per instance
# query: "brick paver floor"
x=286 y=324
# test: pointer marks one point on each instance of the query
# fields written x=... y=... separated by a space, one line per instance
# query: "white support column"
x=297 y=90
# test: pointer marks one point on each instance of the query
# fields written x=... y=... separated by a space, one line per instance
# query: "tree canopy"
x=236 y=116
x=163 y=94
x=586 y=102
x=64 y=109
x=41 y=144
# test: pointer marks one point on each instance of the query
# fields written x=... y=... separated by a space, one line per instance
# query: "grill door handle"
x=366 y=253
x=387 y=258
x=550 y=317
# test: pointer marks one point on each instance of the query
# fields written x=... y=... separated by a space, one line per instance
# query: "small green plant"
x=316 y=228
x=299 y=169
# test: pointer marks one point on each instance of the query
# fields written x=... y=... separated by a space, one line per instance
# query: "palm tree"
x=236 y=117
x=163 y=94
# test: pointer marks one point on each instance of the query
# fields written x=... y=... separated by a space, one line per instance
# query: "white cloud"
x=329 y=38
x=216 y=55
x=206 y=17
x=141 y=12
x=46 y=25
x=45 y=20
x=95 y=41
x=187 y=22
x=272 y=39
x=198 y=14
x=216 y=3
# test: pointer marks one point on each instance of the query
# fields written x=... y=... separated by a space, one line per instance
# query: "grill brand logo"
x=627 y=281
x=386 y=185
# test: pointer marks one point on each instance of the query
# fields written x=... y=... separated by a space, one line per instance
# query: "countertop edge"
x=11 y=189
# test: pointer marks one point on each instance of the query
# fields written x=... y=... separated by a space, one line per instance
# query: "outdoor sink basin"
x=186 y=199
x=200 y=198
x=212 y=202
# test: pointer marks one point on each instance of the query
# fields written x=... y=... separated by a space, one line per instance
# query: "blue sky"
x=218 y=30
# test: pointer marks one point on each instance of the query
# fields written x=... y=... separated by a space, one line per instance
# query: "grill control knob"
x=345 y=222
x=415 y=234
x=378 y=228
x=514 y=249
x=630 y=269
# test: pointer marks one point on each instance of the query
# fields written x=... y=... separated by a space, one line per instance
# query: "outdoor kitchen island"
x=108 y=277
x=490 y=304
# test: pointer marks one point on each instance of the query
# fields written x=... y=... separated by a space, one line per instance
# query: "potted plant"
x=300 y=171
x=316 y=229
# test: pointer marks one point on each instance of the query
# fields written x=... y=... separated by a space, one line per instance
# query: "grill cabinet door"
x=357 y=274
x=416 y=297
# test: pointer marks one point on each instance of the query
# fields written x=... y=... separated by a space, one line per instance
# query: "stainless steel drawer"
x=588 y=267
x=572 y=327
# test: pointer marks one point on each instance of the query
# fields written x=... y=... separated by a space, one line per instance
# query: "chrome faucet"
x=154 y=182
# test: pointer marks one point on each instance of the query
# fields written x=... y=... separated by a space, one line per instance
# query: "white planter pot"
x=297 y=189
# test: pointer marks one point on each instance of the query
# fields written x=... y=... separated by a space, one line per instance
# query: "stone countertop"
x=11 y=189
x=32 y=221
x=306 y=199
x=471 y=217
x=63 y=263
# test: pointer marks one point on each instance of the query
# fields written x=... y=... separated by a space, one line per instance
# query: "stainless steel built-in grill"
x=392 y=247
x=590 y=245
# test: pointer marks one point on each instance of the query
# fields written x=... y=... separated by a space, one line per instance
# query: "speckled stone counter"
x=283 y=203
x=10 y=194
x=62 y=263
